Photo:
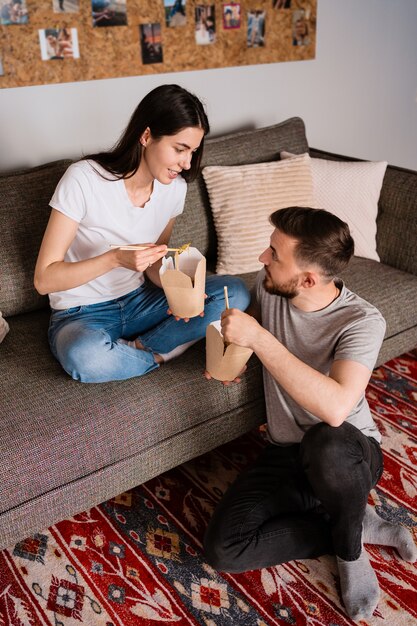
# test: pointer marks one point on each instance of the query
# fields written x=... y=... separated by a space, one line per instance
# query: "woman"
x=108 y=322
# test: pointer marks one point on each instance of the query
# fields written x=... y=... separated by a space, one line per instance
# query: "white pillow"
x=350 y=190
x=242 y=197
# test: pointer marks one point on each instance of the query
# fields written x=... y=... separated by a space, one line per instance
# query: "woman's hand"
x=140 y=260
x=186 y=319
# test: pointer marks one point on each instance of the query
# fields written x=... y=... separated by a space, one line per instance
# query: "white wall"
x=358 y=97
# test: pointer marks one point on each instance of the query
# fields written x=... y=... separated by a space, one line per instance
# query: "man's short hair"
x=323 y=239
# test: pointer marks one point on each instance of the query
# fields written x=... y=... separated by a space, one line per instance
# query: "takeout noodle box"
x=184 y=288
x=223 y=363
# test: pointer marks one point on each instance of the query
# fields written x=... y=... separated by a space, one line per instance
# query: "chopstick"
x=226 y=296
x=121 y=247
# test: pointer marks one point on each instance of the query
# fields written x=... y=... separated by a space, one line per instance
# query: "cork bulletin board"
x=57 y=41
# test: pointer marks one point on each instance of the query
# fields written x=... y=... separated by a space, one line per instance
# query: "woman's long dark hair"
x=165 y=110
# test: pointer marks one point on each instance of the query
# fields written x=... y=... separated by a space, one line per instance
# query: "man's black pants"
x=297 y=502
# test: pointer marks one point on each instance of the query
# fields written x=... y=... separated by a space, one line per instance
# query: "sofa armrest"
x=397 y=215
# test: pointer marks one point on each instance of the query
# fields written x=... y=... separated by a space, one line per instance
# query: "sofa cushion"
x=24 y=212
x=351 y=191
x=252 y=146
x=242 y=197
x=56 y=431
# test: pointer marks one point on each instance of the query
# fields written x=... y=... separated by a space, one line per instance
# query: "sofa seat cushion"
x=394 y=293
x=56 y=431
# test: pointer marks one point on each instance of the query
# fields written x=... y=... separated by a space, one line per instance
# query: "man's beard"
x=285 y=290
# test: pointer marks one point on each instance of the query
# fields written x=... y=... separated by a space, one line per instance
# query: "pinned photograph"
x=205 y=24
x=281 y=4
x=1 y=67
x=13 y=12
x=66 y=6
x=256 y=29
x=175 y=13
x=109 y=12
x=231 y=16
x=303 y=5
x=151 y=43
x=300 y=29
x=59 y=44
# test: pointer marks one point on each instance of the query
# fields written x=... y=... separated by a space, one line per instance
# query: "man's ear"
x=309 y=280
x=145 y=136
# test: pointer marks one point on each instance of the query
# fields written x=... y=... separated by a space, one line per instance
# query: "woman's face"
x=164 y=159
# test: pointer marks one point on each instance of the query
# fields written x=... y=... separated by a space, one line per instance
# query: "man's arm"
x=330 y=398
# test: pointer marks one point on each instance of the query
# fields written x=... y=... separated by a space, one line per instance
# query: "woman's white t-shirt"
x=106 y=216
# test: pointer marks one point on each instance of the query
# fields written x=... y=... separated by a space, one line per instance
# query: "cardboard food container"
x=184 y=287
x=223 y=361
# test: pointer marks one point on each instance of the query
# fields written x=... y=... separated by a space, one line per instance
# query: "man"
x=318 y=342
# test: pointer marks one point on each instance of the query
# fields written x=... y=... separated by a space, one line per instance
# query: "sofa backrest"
x=24 y=213
x=25 y=196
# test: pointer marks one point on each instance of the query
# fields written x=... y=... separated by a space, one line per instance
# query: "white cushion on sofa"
x=243 y=197
x=350 y=190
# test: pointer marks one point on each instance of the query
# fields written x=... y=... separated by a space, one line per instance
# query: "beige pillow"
x=350 y=190
x=242 y=197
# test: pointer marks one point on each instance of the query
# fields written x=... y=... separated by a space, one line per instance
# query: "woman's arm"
x=52 y=273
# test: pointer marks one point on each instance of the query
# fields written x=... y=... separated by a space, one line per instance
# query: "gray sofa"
x=66 y=446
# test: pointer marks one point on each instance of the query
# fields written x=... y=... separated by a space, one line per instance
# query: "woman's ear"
x=144 y=138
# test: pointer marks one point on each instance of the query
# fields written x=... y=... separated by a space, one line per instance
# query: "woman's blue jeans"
x=297 y=502
x=85 y=339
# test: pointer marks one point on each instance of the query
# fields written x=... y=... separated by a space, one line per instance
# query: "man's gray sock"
x=378 y=531
x=359 y=586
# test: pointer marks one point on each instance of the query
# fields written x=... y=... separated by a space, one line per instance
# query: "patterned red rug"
x=137 y=558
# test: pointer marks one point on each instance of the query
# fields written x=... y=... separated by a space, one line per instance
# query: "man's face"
x=282 y=274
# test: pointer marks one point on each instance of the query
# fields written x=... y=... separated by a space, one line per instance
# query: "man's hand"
x=240 y=328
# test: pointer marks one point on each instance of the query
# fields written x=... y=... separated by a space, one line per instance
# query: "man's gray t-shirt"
x=349 y=328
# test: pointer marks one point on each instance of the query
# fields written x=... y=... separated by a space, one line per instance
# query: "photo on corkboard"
x=109 y=12
x=59 y=44
x=231 y=16
x=151 y=43
x=175 y=13
x=281 y=4
x=300 y=29
x=66 y=6
x=13 y=12
x=1 y=67
x=256 y=29
x=205 y=24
